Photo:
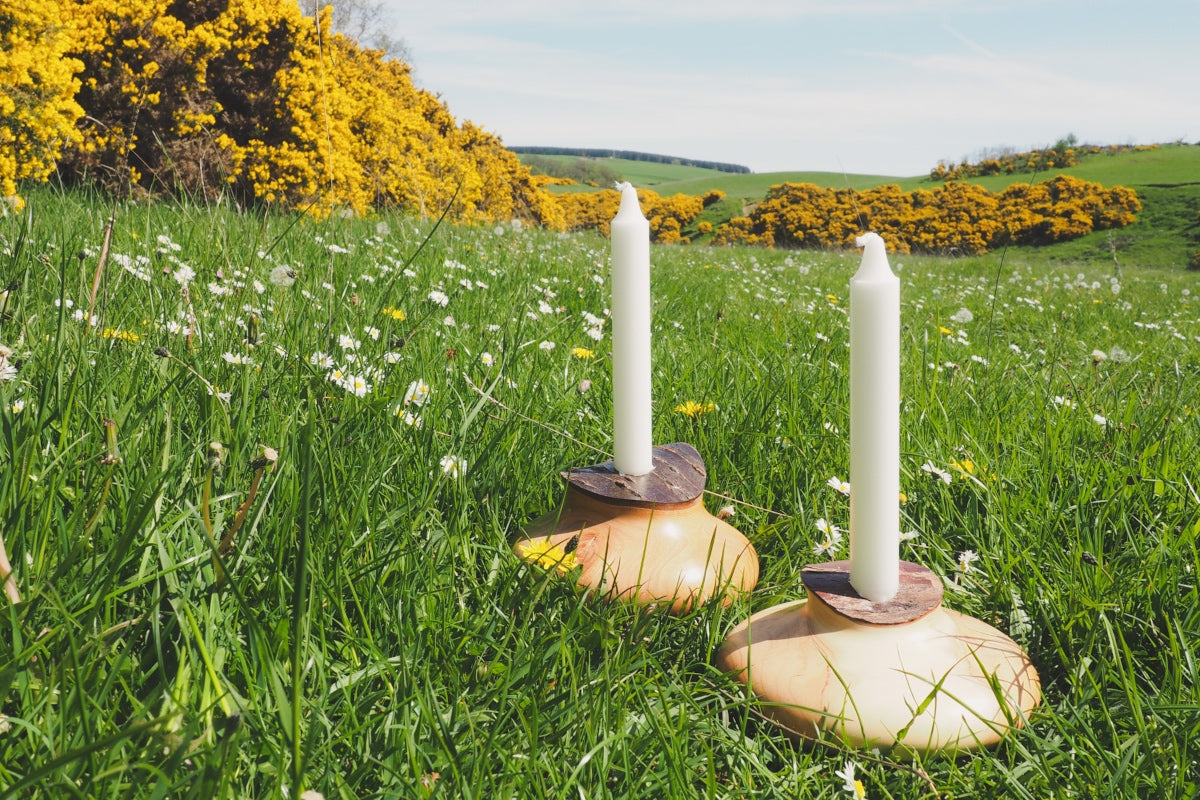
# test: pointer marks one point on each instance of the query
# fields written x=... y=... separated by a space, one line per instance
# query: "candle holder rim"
x=919 y=594
x=676 y=479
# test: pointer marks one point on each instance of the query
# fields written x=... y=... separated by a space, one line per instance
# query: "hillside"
x=1167 y=180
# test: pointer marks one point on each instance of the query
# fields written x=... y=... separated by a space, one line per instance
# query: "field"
x=262 y=474
x=1167 y=180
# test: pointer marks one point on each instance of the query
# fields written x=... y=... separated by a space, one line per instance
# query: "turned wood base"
x=907 y=674
x=648 y=539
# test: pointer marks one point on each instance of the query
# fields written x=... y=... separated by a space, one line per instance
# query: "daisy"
x=453 y=465
x=838 y=485
x=850 y=783
x=941 y=474
x=417 y=393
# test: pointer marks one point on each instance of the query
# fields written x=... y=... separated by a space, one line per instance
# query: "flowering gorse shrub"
x=957 y=218
x=256 y=99
x=37 y=90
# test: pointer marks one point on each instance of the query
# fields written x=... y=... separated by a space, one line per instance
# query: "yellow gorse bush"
x=37 y=93
x=958 y=218
x=255 y=99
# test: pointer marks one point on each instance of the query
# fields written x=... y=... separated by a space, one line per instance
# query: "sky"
x=881 y=87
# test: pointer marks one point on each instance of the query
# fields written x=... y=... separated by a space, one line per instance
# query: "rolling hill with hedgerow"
x=1166 y=177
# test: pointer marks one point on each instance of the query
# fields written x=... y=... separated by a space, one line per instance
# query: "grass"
x=368 y=633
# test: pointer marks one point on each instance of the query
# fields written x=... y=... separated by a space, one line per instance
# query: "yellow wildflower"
x=582 y=352
x=942 y=329
x=395 y=313
x=124 y=336
x=547 y=555
x=693 y=409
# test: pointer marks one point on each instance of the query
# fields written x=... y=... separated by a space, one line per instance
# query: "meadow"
x=262 y=472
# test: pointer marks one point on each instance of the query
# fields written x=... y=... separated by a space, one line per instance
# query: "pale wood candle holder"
x=907 y=674
x=647 y=538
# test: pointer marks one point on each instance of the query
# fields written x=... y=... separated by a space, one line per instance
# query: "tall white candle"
x=874 y=424
x=632 y=423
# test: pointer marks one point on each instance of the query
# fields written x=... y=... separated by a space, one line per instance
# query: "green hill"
x=1167 y=180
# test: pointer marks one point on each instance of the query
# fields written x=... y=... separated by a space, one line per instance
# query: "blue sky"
x=862 y=86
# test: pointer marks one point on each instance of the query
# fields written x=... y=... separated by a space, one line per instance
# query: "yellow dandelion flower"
x=120 y=335
x=693 y=409
x=966 y=466
x=582 y=352
x=395 y=313
x=942 y=329
x=832 y=298
x=547 y=555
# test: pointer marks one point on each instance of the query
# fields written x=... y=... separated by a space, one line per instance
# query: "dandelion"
x=1099 y=356
x=966 y=466
x=395 y=313
x=283 y=276
x=439 y=298
x=838 y=485
x=448 y=321
x=941 y=474
x=1100 y=420
x=547 y=555
x=1118 y=355
x=726 y=512
x=124 y=336
x=693 y=409
x=962 y=316
x=453 y=465
x=850 y=783
x=942 y=329
x=965 y=559
x=486 y=359
x=417 y=393
x=582 y=352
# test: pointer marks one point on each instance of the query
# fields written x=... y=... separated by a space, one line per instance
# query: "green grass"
x=369 y=633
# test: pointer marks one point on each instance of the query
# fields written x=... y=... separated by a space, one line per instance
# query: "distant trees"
x=587 y=171
x=1065 y=152
x=630 y=155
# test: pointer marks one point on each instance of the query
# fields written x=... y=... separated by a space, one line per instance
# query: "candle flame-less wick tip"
x=868 y=239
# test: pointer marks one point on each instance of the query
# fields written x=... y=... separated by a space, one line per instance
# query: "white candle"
x=632 y=424
x=874 y=424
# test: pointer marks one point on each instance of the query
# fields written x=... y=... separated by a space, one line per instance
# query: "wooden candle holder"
x=647 y=538
x=906 y=674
